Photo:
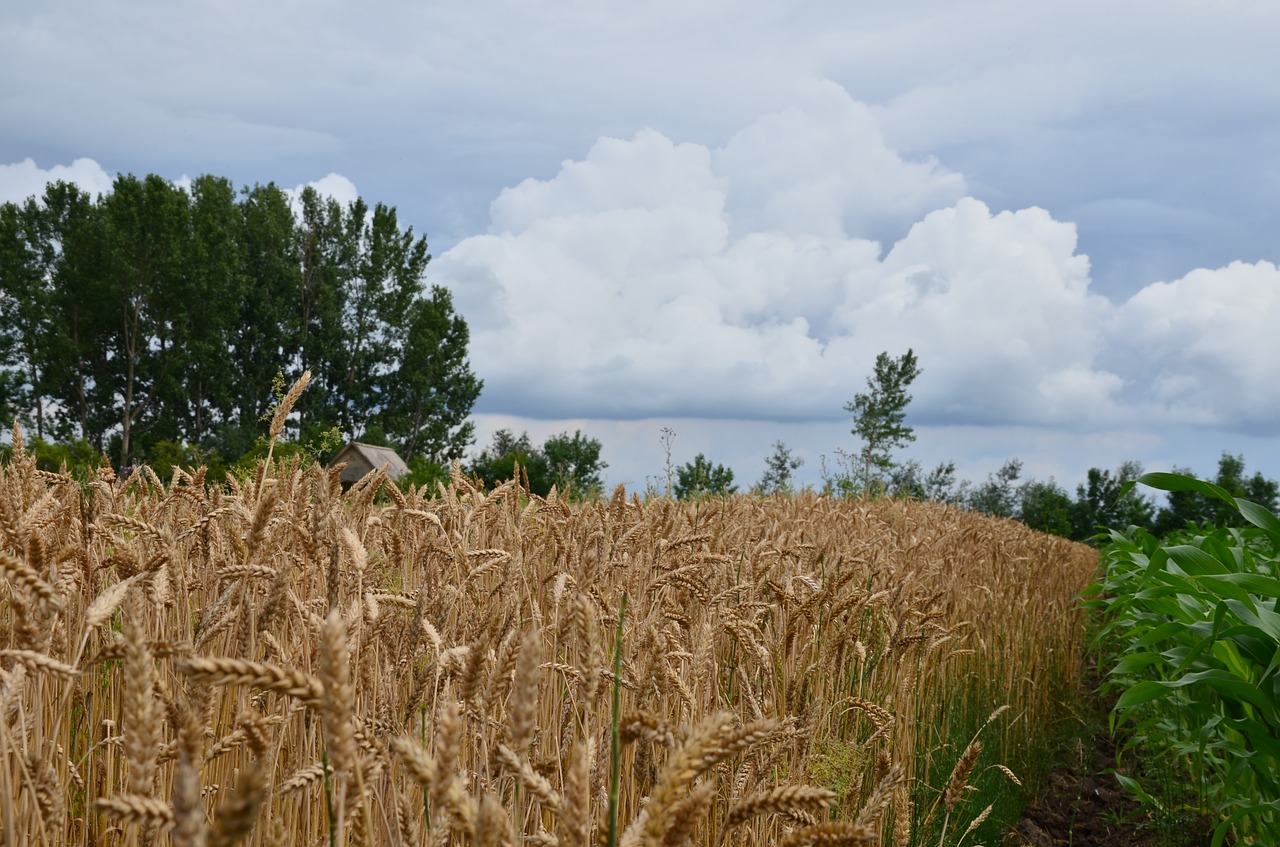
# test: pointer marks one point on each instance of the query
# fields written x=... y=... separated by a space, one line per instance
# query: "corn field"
x=274 y=661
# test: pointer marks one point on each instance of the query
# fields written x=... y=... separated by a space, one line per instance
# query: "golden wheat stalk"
x=780 y=800
x=287 y=404
x=834 y=834
x=135 y=809
x=41 y=662
x=954 y=792
x=229 y=671
x=23 y=576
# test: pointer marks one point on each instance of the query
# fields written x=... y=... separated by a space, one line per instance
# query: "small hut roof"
x=362 y=458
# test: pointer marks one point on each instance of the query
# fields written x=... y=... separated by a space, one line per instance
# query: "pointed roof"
x=362 y=458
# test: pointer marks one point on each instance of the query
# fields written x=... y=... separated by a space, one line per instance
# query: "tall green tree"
x=267 y=337
x=214 y=286
x=429 y=396
x=568 y=462
x=508 y=455
x=146 y=224
x=779 y=467
x=998 y=496
x=879 y=414
x=327 y=250
x=387 y=277
x=1102 y=502
x=24 y=311
x=158 y=319
x=360 y=276
x=700 y=477
x=1045 y=506
x=74 y=245
x=908 y=479
x=574 y=463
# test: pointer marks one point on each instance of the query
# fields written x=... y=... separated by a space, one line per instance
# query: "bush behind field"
x=374 y=664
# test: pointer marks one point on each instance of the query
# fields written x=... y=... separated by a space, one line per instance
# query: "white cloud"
x=821 y=167
x=1204 y=347
x=25 y=179
x=660 y=278
x=334 y=186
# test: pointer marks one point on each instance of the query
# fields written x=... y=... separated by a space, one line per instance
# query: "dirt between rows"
x=1082 y=804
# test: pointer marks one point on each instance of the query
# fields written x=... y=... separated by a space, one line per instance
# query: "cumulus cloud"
x=654 y=278
x=1203 y=348
x=25 y=179
x=821 y=167
x=334 y=186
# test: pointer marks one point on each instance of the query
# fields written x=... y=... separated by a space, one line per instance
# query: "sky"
x=710 y=217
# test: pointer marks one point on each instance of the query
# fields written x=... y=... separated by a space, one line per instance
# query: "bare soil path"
x=1084 y=806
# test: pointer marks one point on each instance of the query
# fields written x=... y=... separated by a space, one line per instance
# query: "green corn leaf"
x=1253 y=810
x=1226 y=683
x=1259 y=617
x=1179 y=482
x=1265 y=586
x=1194 y=561
x=1131 y=785
x=1217 y=586
x=1260 y=517
x=1233 y=688
x=1163 y=632
x=1143 y=692
x=1135 y=662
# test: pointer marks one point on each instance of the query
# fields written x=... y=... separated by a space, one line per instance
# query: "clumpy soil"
x=1082 y=804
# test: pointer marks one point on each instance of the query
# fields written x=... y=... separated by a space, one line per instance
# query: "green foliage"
x=568 y=462
x=879 y=415
x=1045 y=506
x=1109 y=500
x=779 y=467
x=157 y=316
x=432 y=392
x=574 y=464
x=997 y=496
x=77 y=458
x=908 y=480
x=1192 y=507
x=425 y=474
x=700 y=478
x=314 y=445
x=1191 y=629
x=164 y=456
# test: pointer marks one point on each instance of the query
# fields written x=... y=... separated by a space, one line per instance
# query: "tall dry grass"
x=279 y=662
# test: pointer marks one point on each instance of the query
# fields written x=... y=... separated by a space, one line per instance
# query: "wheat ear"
x=228 y=671
x=136 y=809
x=236 y=816
x=142 y=740
x=834 y=834
x=779 y=800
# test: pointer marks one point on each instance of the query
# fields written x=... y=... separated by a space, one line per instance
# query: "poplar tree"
x=879 y=415
x=157 y=319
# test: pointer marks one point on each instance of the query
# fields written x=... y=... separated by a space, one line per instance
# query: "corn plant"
x=1191 y=629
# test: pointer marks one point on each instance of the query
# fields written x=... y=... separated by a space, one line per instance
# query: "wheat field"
x=278 y=662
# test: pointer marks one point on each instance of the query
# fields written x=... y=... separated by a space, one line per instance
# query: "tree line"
x=160 y=323
x=157 y=319
x=1103 y=500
